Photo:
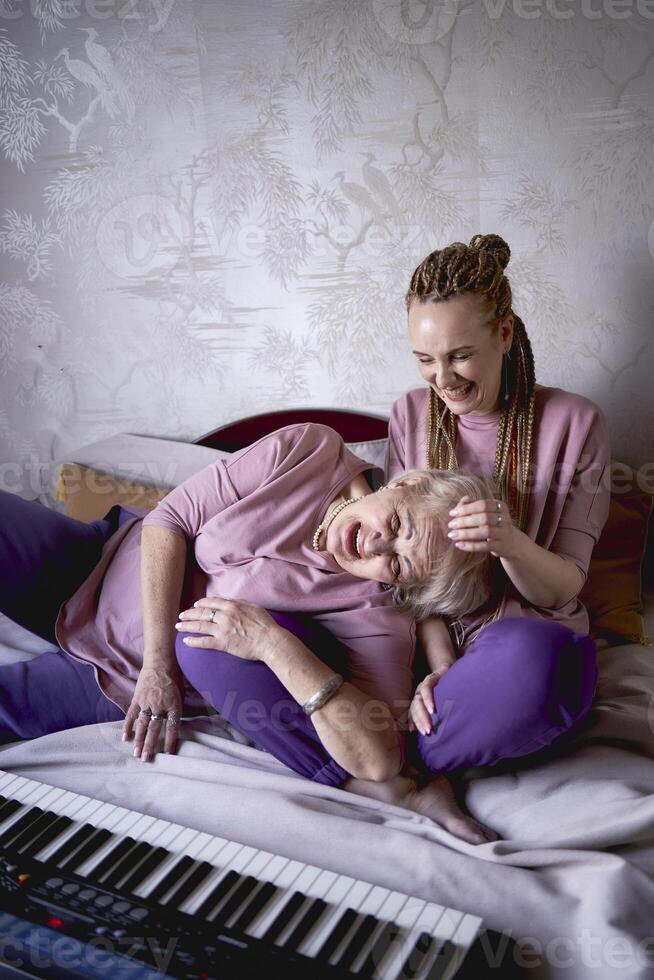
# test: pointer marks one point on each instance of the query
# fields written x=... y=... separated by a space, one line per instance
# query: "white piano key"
x=122 y=823
x=198 y=895
x=407 y=918
x=335 y=896
x=388 y=911
x=464 y=936
x=285 y=881
x=194 y=849
x=80 y=814
x=177 y=848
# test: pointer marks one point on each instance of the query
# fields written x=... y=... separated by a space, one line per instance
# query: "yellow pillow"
x=612 y=592
x=90 y=493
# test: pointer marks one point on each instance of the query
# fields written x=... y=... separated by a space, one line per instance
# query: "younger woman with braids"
x=548 y=449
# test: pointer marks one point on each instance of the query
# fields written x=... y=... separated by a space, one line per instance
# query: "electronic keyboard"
x=90 y=889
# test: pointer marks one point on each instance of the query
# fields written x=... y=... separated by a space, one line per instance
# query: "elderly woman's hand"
x=422 y=706
x=243 y=629
x=484 y=525
x=158 y=692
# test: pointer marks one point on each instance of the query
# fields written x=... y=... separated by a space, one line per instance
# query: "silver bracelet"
x=322 y=696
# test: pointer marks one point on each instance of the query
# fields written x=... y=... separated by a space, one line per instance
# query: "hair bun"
x=494 y=245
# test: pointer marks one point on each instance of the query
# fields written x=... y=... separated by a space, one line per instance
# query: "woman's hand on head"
x=422 y=706
x=243 y=629
x=159 y=691
x=482 y=525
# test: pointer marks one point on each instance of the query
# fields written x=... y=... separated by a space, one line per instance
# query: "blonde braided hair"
x=478 y=268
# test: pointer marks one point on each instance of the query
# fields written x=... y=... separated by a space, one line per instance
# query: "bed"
x=572 y=880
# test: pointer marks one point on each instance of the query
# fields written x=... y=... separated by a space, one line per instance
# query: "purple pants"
x=523 y=684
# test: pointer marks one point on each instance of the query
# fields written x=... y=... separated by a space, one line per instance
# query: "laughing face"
x=459 y=355
x=385 y=538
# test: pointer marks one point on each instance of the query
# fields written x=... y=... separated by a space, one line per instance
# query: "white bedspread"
x=575 y=870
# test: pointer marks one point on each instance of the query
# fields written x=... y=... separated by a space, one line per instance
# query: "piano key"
x=305 y=924
x=430 y=919
x=31 y=833
x=220 y=891
x=284 y=917
x=218 y=855
x=75 y=849
x=361 y=933
x=266 y=893
x=405 y=921
x=417 y=957
x=131 y=860
x=444 y=957
x=16 y=827
x=175 y=872
x=364 y=902
x=198 y=874
x=292 y=877
x=380 y=941
x=8 y=810
x=152 y=861
x=336 y=935
x=238 y=896
x=335 y=893
x=269 y=874
x=56 y=829
x=175 y=839
x=111 y=860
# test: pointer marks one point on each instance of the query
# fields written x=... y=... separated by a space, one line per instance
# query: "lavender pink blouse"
x=571 y=454
x=248 y=521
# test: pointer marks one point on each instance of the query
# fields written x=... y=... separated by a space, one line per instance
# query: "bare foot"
x=435 y=800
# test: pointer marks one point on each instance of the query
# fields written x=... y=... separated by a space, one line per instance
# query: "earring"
x=505 y=371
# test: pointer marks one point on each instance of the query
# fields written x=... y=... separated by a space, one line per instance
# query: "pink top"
x=249 y=522
x=571 y=492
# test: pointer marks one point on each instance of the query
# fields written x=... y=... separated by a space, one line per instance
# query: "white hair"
x=460 y=581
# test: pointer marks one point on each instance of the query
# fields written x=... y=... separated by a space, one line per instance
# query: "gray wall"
x=178 y=248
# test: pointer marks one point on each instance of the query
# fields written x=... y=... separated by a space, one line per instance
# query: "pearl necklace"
x=330 y=517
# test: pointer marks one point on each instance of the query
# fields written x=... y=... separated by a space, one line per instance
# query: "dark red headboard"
x=352 y=426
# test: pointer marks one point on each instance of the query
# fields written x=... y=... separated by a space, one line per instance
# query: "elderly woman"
x=290 y=523
x=549 y=451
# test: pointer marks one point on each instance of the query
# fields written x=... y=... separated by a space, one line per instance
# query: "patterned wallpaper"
x=211 y=209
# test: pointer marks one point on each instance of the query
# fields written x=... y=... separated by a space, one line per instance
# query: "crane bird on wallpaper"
x=89 y=77
x=380 y=186
x=361 y=196
x=104 y=63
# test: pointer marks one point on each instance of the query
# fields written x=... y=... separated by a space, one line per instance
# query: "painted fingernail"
x=181 y=615
x=124 y=736
x=452 y=534
x=145 y=757
x=137 y=752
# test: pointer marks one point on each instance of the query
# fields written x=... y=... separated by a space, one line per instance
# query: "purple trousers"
x=523 y=685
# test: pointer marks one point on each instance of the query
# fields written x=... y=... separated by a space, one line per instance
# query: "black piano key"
x=278 y=924
x=72 y=843
x=173 y=876
x=34 y=829
x=19 y=825
x=110 y=860
x=221 y=889
x=259 y=902
x=196 y=877
x=92 y=844
x=236 y=899
x=129 y=860
x=443 y=959
x=47 y=836
x=306 y=923
x=139 y=874
x=353 y=947
x=387 y=936
x=416 y=958
x=8 y=808
x=336 y=935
